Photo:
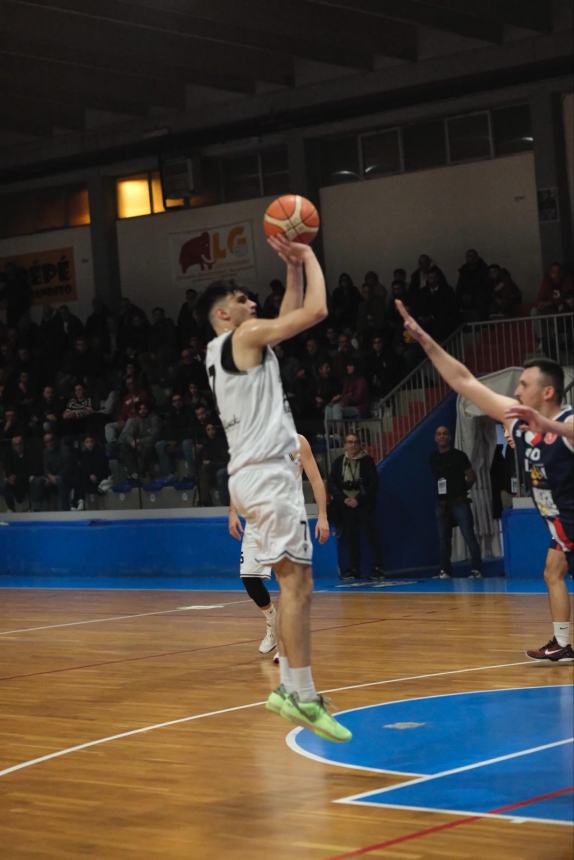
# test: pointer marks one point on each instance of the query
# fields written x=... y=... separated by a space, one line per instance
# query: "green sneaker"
x=276 y=700
x=315 y=716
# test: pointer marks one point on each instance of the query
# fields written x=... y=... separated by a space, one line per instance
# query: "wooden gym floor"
x=131 y=727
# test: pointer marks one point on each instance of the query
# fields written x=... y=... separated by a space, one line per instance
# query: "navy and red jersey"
x=549 y=464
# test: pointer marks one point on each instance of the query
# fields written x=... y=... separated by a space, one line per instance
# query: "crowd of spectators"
x=124 y=397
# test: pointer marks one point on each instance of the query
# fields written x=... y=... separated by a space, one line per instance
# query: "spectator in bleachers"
x=434 y=305
x=52 y=340
x=345 y=353
x=555 y=289
x=272 y=303
x=46 y=412
x=72 y=325
x=15 y=293
x=374 y=287
x=187 y=323
x=97 y=323
x=371 y=313
x=12 y=424
x=93 y=471
x=328 y=390
x=331 y=341
x=506 y=296
x=57 y=476
x=81 y=363
x=190 y=369
x=312 y=356
x=133 y=334
x=382 y=366
x=195 y=397
x=18 y=470
x=77 y=414
x=473 y=290
x=289 y=366
x=213 y=470
x=400 y=274
x=176 y=439
x=345 y=302
x=137 y=442
x=162 y=337
x=23 y=394
x=355 y=394
x=130 y=400
x=420 y=275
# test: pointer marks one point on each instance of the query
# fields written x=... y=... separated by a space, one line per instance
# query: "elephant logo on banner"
x=196 y=251
x=213 y=252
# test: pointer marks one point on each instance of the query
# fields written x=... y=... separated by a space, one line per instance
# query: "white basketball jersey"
x=254 y=411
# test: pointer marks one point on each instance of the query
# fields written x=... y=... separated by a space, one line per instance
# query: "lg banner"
x=213 y=254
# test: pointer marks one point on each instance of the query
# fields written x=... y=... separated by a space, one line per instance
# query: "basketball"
x=292 y=216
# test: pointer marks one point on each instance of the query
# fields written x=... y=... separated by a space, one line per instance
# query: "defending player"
x=547 y=446
x=253 y=574
x=264 y=488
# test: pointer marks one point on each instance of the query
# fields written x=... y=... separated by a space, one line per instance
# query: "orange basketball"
x=294 y=217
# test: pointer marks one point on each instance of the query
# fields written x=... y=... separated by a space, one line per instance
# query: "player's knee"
x=554 y=574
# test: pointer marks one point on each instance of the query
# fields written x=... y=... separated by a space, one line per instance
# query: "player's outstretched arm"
x=311 y=469
x=531 y=419
x=257 y=333
x=455 y=373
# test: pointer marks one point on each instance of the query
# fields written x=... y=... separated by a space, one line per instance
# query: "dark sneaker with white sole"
x=553 y=651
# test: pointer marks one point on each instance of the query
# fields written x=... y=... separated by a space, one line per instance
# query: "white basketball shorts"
x=270 y=497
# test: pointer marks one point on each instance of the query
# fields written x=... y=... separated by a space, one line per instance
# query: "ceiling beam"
x=299 y=19
x=530 y=14
x=87 y=87
x=64 y=43
x=157 y=37
x=426 y=14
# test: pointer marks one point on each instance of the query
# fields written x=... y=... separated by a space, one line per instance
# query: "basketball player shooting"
x=543 y=434
x=264 y=487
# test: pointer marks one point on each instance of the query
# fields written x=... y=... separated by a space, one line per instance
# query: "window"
x=424 y=145
x=28 y=212
x=142 y=195
x=381 y=153
x=512 y=129
x=468 y=137
x=339 y=160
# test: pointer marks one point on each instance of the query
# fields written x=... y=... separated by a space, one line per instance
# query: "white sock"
x=285 y=676
x=303 y=683
x=270 y=614
x=562 y=633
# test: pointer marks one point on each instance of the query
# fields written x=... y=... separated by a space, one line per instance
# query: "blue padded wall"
x=526 y=541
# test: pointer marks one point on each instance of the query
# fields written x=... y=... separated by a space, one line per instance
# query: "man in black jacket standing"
x=353 y=484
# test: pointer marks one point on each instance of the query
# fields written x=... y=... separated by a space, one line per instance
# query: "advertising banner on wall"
x=51 y=275
x=212 y=254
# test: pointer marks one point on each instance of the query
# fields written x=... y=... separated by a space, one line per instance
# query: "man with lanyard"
x=544 y=436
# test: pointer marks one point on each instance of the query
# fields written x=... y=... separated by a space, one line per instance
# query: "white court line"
x=354 y=798
x=291 y=739
x=114 y=618
x=513 y=819
x=99 y=741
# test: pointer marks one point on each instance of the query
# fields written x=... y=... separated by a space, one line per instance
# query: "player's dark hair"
x=552 y=373
x=214 y=293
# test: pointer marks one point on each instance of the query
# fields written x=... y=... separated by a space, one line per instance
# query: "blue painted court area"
x=468 y=753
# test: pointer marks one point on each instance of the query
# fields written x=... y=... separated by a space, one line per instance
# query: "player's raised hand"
x=292 y=253
x=411 y=325
x=530 y=419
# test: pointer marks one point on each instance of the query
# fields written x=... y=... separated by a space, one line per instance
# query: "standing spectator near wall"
x=371 y=313
x=555 y=288
x=353 y=484
x=187 y=324
x=345 y=302
x=454 y=477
